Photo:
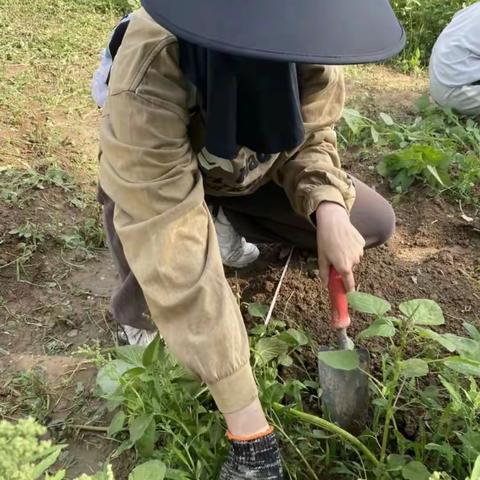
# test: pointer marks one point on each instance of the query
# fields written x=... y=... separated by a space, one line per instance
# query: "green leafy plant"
x=29 y=233
x=24 y=457
x=436 y=148
x=18 y=185
x=167 y=416
x=423 y=21
x=418 y=162
x=446 y=408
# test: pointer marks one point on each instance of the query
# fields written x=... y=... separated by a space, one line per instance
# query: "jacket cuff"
x=325 y=193
x=235 y=392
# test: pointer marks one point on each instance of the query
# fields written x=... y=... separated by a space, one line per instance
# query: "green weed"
x=167 y=416
x=437 y=148
x=31 y=395
x=23 y=456
x=423 y=20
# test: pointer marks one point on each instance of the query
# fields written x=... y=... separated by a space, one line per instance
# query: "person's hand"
x=339 y=243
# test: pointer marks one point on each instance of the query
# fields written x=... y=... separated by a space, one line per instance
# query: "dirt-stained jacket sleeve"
x=149 y=170
x=312 y=173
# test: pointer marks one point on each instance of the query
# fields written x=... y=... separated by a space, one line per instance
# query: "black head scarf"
x=248 y=102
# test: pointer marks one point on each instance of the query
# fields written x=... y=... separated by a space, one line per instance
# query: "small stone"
x=72 y=333
x=314 y=273
x=269 y=286
x=446 y=257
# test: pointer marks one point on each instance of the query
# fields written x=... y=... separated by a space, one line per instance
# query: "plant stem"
x=330 y=427
x=389 y=414
x=90 y=428
x=292 y=443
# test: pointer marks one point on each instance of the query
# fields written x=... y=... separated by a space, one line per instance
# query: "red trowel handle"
x=338 y=300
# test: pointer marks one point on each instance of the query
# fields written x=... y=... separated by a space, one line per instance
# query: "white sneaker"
x=236 y=252
x=137 y=336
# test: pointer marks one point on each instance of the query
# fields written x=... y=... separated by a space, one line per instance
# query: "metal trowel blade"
x=345 y=394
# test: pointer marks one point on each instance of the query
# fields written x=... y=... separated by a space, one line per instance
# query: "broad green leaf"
x=380 y=402
x=132 y=354
x=146 y=444
x=270 y=348
x=415 y=471
x=124 y=446
x=47 y=462
x=476 y=470
x=382 y=168
x=153 y=470
x=463 y=365
x=354 y=120
x=258 y=330
x=152 y=352
x=276 y=324
x=299 y=336
x=139 y=426
x=445 y=450
x=257 y=310
x=454 y=343
x=414 y=367
x=396 y=462
x=472 y=331
x=423 y=312
x=285 y=360
x=108 y=378
x=117 y=423
x=341 y=360
x=374 y=134
x=437 y=337
x=382 y=327
x=471 y=443
x=387 y=119
x=366 y=303
x=464 y=346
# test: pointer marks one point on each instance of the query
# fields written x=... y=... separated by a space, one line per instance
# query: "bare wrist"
x=328 y=208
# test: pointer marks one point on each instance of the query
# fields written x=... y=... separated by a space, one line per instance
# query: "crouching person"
x=455 y=63
x=228 y=102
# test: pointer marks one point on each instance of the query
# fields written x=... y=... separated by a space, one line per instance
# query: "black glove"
x=257 y=459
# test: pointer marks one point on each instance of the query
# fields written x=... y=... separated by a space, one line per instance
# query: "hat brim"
x=307 y=31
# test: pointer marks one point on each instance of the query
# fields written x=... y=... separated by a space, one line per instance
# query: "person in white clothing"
x=455 y=63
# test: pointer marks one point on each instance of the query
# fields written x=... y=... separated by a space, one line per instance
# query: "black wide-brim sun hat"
x=335 y=32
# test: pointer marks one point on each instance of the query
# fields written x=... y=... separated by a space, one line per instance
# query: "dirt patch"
x=434 y=254
x=380 y=88
x=66 y=385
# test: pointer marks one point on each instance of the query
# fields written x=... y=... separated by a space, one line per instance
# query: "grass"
x=48 y=123
x=48 y=51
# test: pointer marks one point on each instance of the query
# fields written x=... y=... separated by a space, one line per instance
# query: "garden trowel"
x=345 y=392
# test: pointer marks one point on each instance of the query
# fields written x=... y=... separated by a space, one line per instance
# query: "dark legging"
x=265 y=216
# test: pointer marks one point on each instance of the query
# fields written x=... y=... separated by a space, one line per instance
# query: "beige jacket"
x=153 y=168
